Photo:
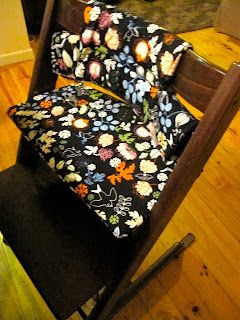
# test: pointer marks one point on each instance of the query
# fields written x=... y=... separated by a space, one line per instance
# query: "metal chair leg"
x=170 y=254
x=161 y=262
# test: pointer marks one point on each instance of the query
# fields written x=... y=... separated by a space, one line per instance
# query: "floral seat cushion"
x=112 y=156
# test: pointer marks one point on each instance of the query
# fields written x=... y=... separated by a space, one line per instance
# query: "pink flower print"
x=62 y=64
x=87 y=36
x=127 y=152
x=104 y=20
x=105 y=153
x=96 y=38
x=94 y=69
x=90 y=35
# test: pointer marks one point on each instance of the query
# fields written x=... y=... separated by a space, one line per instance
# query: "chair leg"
x=161 y=262
x=170 y=254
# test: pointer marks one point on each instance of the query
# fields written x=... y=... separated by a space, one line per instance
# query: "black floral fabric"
x=111 y=157
x=116 y=156
x=115 y=49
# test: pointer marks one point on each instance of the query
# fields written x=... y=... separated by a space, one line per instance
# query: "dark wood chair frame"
x=208 y=88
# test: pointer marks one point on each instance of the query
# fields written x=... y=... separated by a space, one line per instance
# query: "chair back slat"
x=69 y=15
x=197 y=80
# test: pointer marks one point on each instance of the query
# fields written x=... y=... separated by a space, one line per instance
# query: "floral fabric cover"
x=130 y=56
x=116 y=156
x=117 y=50
x=109 y=154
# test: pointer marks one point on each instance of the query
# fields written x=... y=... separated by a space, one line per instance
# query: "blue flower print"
x=165 y=116
x=165 y=107
x=166 y=123
x=124 y=59
x=105 y=124
x=113 y=107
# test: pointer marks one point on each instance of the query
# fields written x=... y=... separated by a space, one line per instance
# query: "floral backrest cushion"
x=135 y=59
x=112 y=43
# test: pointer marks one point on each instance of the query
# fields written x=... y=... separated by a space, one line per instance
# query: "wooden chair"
x=68 y=261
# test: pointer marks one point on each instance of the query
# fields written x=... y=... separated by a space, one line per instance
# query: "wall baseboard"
x=16 y=56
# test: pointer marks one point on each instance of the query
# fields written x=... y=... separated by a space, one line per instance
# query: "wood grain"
x=204 y=282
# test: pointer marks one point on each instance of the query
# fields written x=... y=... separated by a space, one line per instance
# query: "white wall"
x=14 y=43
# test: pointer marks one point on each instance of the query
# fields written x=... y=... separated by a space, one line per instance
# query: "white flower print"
x=154 y=70
x=101 y=214
x=116 y=16
x=147 y=166
x=166 y=63
x=73 y=38
x=143 y=86
x=73 y=110
x=136 y=220
x=155 y=48
x=79 y=70
x=142 y=146
x=57 y=111
x=38 y=97
x=110 y=64
x=155 y=153
x=83 y=109
x=64 y=134
x=182 y=47
x=105 y=140
x=126 y=151
x=67 y=121
x=151 y=203
x=91 y=150
x=150 y=76
x=99 y=104
x=94 y=13
x=125 y=126
x=91 y=167
x=161 y=186
x=143 y=188
x=162 y=176
x=91 y=114
x=67 y=59
x=64 y=35
x=152 y=28
x=115 y=162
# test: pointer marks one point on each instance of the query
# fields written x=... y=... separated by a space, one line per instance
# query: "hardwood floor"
x=204 y=283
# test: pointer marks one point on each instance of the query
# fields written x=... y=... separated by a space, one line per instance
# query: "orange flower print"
x=169 y=38
x=82 y=102
x=87 y=14
x=80 y=123
x=112 y=39
x=141 y=50
x=82 y=190
x=45 y=104
x=153 y=92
